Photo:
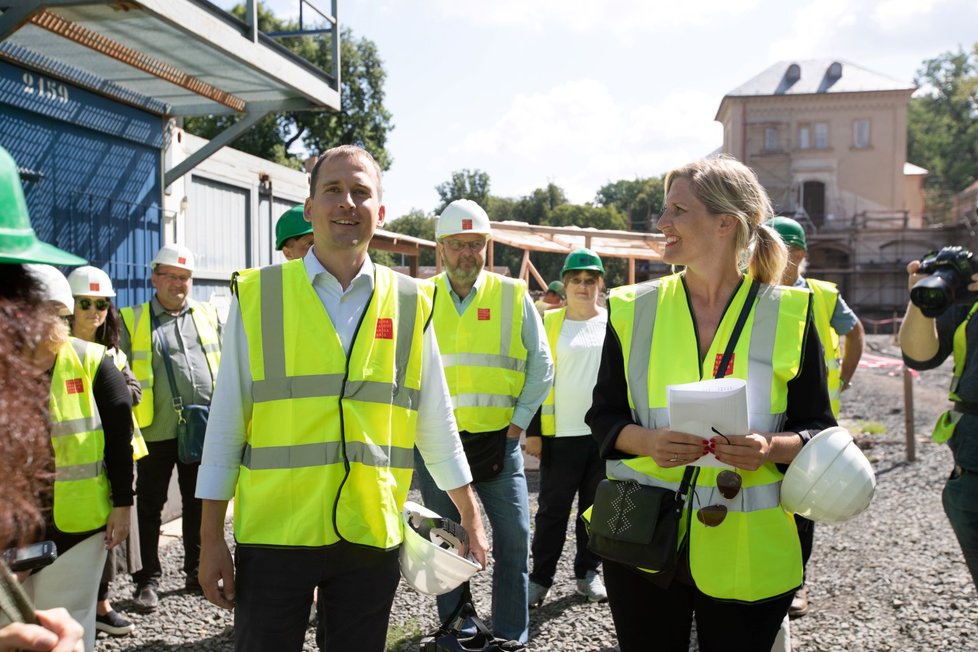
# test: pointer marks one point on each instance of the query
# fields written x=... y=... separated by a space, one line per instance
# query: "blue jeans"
x=504 y=500
x=960 y=498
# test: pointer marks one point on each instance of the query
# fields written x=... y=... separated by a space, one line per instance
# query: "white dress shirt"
x=436 y=436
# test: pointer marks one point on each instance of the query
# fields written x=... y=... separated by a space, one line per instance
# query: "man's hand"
x=57 y=631
x=216 y=574
x=534 y=446
x=514 y=431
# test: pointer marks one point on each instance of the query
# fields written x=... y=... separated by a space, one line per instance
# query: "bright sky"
x=582 y=92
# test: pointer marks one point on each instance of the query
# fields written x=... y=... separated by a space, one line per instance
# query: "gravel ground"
x=891 y=579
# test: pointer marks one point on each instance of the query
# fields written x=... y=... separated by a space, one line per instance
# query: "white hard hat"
x=830 y=480
x=90 y=281
x=431 y=559
x=462 y=216
x=175 y=255
x=54 y=287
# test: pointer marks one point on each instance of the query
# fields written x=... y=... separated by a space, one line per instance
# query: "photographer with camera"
x=938 y=323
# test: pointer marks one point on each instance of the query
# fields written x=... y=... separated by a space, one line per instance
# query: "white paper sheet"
x=698 y=408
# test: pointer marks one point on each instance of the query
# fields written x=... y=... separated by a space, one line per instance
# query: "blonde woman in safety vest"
x=739 y=559
x=91 y=433
x=570 y=463
x=95 y=319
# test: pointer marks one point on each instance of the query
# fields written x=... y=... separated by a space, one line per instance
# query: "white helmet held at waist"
x=54 y=287
x=90 y=281
x=431 y=553
x=462 y=216
x=830 y=480
x=175 y=255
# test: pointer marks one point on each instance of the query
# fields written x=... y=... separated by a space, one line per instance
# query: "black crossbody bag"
x=638 y=525
x=191 y=419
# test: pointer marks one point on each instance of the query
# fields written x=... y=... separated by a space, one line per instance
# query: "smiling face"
x=690 y=229
x=582 y=287
x=344 y=208
x=172 y=286
x=464 y=256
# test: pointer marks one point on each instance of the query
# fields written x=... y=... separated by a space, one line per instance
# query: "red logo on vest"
x=484 y=314
x=182 y=260
x=466 y=225
x=730 y=365
x=75 y=386
x=385 y=329
x=93 y=287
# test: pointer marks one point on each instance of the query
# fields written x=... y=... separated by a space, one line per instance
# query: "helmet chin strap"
x=443 y=532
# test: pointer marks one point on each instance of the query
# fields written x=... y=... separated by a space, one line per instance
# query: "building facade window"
x=804 y=136
x=821 y=135
x=860 y=134
x=771 y=139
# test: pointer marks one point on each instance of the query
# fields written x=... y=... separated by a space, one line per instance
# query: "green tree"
x=587 y=216
x=464 y=184
x=942 y=125
x=639 y=200
x=536 y=207
x=418 y=225
x=362 y=120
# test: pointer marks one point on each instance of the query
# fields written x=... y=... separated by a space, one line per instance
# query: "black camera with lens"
x=949 y=274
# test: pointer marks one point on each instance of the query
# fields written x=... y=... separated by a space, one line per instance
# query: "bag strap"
x=738 y=328
x=14 y=603
x=176 y=400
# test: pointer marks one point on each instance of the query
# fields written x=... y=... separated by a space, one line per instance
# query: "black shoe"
x=192 y=585
x=146 y=598
x=113 y=624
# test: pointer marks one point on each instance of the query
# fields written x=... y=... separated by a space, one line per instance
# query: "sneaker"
x=799 y=605
x=537 y=594
x=592 y=588
x=146 y=598
x=113 y=624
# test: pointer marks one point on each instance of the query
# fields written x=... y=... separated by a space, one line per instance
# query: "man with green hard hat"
x=842 y=336
x=552 y=299
x=293 y=233
x=18 y=242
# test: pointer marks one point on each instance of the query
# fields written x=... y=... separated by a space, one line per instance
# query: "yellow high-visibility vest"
x=139 y=449
x=137 y=321
x=553 y=321
x=754 y=553
x=482 y=351
x=329 y=446
x=824 y=297
x=81 y=487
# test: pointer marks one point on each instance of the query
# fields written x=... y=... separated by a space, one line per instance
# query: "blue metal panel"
x=97 y=190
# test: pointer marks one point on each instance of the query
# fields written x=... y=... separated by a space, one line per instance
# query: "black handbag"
x=191 y=419
x=636 y=524
x=485 y=452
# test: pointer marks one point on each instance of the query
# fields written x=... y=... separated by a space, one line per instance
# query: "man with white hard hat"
x=499 y=370
x=174 y=345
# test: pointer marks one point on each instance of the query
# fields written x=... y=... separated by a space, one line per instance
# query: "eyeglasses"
x=100 y=304
x=475 y=246
x=729 y=484
x=173 y=278
x=589 y=281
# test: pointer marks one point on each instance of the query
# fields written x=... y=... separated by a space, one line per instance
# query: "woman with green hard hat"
x=570 y=463
x=293 y=233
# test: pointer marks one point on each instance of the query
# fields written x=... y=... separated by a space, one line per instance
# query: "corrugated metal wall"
x=93 y=173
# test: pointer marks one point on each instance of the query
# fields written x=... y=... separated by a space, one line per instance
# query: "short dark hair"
x=353 y=151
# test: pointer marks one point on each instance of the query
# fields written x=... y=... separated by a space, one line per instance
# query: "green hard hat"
x=791 y=232
x=18 y=242
x=556 y=286
x=582 y=259
x=291 y=224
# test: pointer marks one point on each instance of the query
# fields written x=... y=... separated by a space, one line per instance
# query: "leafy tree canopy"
x=362 y=120
x=639 y=200
x=464 y=184
x=942 y=133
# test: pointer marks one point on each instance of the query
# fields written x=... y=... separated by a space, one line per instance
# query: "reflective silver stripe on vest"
x=749 y=499
x=272 y=321
x=80 y=347
x=760 y=368
x=640 y=351
x=276 y=389
x=211 y=348
x=146 y=385
x=506 y=317
x=76 y=426
x=80 y=471
x=372 y=392
x=483 y=360
x=407 y=315
x=140 y=355
x=547 y=410
x=307 y=455
x=483 y=401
